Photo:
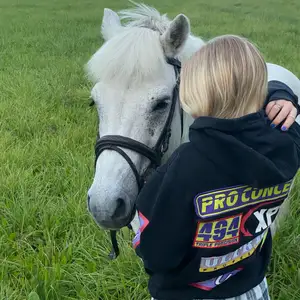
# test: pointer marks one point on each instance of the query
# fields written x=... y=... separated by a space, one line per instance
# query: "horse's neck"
x=193 y=44
x=187 y=121
x=176 y=138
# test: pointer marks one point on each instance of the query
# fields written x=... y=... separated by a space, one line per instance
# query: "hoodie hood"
x=253 y=153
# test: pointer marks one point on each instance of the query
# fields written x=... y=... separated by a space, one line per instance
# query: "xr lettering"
x=264 y=217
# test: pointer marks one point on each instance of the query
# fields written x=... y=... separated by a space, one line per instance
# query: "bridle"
x=154 y=154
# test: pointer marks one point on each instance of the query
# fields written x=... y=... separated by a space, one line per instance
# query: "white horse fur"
x=131 y=76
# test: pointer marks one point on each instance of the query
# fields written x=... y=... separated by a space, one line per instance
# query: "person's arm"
x=166 y=231
x=281 y=104
x=277 y=90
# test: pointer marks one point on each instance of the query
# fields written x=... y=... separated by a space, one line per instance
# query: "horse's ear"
x=176 y=35
x=110 y=24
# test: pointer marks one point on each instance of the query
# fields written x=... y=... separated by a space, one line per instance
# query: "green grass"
x=49 y=246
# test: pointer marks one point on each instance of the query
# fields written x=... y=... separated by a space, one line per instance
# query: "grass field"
x=49 y=246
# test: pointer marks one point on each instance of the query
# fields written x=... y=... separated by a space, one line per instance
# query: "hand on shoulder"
x=281 y=110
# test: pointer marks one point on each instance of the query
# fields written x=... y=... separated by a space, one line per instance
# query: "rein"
x=154 y=154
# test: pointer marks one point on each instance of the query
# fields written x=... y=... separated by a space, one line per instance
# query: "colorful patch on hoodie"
x=211 y=264
x=219 y=233
x=217 y=202
x=210 y=284
x=143 y=224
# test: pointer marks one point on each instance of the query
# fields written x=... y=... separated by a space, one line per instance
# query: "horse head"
x=135 y=77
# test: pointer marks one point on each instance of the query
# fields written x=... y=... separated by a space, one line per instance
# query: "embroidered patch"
x=210 y=264
x=210 y=284
x=219 y=233
x=143 y=224
x=257 y=220
x=225 y=200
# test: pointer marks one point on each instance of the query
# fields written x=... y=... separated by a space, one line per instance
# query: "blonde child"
x=206 y=214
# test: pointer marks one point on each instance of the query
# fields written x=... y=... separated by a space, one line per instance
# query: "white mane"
x=135 y=52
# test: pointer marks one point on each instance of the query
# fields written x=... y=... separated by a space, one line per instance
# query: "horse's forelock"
x=132 y=56
x=145 y=16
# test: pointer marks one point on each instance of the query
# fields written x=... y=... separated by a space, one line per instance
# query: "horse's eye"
x=161 y=104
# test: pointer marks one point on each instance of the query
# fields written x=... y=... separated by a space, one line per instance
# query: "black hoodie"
x=206 y=214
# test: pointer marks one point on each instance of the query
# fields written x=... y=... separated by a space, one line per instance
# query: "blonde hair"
x=226 y=78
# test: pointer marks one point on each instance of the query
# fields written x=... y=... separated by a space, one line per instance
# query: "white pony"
x=132 y=92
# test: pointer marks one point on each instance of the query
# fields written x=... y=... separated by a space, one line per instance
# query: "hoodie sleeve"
x=166 y=226
x=278 y=90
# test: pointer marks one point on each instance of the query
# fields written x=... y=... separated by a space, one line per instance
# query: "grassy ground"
x=49 y=246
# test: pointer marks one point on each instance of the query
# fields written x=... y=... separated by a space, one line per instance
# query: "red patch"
x=143 y=224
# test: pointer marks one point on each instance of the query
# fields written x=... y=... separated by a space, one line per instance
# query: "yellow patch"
x=219 y=233
x=233 y=198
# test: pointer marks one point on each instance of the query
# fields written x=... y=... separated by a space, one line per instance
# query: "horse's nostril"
x=120 y=209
